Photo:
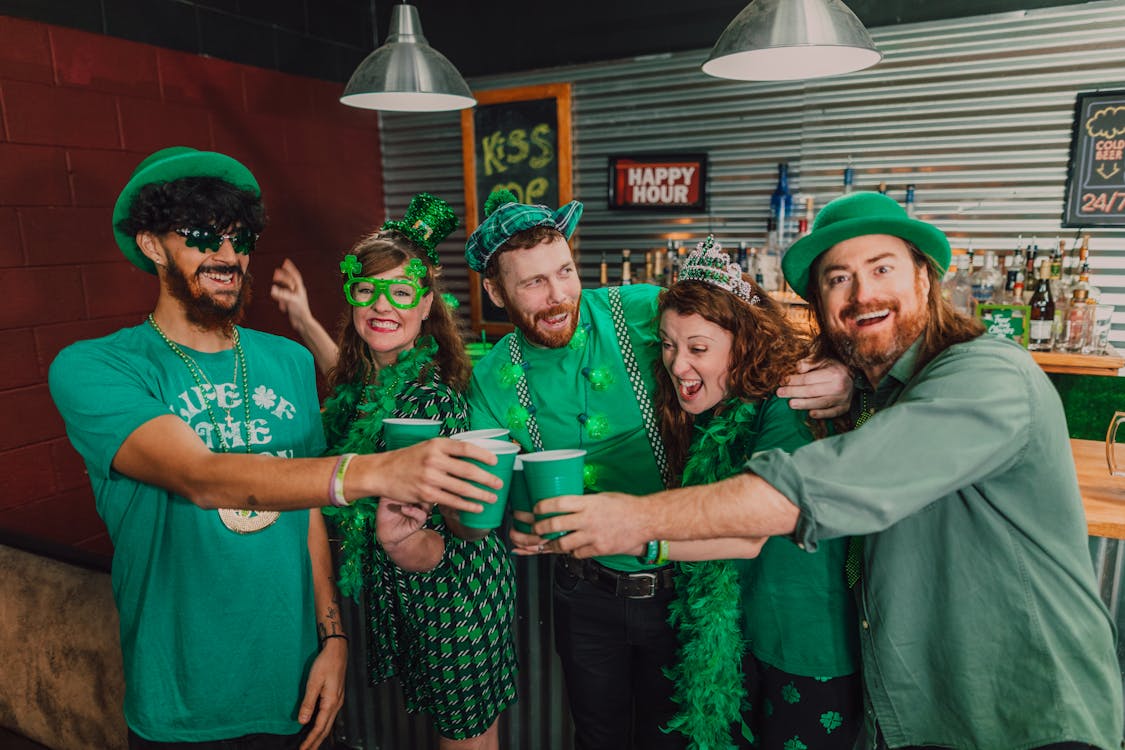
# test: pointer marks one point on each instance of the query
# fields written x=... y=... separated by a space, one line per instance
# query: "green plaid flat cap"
x=509 y=217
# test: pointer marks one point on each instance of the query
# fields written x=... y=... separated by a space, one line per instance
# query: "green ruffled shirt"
x=566 y=399
x=981 y=625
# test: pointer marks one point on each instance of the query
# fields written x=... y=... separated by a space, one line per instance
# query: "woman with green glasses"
x=439 y=608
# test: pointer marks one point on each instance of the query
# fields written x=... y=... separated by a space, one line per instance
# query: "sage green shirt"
x=582 y=396
x=980 y=622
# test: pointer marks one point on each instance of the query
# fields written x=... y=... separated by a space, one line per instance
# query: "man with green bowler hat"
x=980 y=621
x=578 y=373
x=194 y=431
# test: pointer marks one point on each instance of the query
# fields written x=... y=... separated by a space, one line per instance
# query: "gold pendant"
x=247 y=521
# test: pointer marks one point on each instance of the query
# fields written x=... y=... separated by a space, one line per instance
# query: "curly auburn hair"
x=765 y=349
x=379 y=252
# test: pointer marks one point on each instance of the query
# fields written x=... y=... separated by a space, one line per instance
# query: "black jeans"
x=613 y=651
x=246 y=742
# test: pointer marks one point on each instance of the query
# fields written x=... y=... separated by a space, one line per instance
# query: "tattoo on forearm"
x=330 y=623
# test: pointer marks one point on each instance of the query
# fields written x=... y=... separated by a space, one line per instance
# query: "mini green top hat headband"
x=411 y=289
x=428 y=221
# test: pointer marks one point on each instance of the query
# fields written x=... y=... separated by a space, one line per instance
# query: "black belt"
x=642 y=584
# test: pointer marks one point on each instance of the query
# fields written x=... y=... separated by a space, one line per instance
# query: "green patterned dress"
x=446 y=632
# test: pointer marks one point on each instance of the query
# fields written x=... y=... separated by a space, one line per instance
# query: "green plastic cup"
x=403 y=433
x=518 y=497
x=553 y=473
x=491 y=433
x=492 y=514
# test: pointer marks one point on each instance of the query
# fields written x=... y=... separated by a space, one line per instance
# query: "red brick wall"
x=78 y=111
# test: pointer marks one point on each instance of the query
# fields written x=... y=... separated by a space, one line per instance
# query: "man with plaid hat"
x=578 y=373
x=193 y=431
x=980 y=621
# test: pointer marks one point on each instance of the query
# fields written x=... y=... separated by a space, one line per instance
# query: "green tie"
x=853 y=565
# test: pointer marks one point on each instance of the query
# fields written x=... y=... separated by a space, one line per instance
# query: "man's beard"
x=547 y=339
x=876 y=353
x=201 y=308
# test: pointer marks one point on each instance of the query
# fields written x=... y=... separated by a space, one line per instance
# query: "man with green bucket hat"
x=193 y=430
x=981 y=625
x=578 y=373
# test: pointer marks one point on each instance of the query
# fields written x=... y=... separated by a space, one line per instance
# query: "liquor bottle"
x=958 y=289
x=1057 y=259
x=781 y=204
x=1076 y=332
x=648 y=267
x=911 y=209
x=849 y=177
x=1015 y=271
x=882 y=188
x=671 y=272
x=626 y=269
x=603 y=271
x=986 y=280
x=1042 y=311
x=754 y=267
x=658 y=267
x=740 y=258
x=1029 y=267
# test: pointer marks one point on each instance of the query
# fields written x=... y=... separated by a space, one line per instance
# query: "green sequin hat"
x=428 y=221
x=505 y=216
x=169 y=165
x=709 y=264
x=857 y=215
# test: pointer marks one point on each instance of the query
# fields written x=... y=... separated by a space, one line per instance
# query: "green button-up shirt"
x=980 y=623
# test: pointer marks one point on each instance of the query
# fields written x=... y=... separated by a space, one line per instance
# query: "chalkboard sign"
x=517 y=139
x=1095 y=182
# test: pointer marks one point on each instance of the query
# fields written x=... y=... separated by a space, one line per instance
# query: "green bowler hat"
x=505 y=216
x=168 y=165
x=856 y=215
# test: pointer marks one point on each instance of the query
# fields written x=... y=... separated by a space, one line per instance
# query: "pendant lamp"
x=406 y=74
x=788 y=40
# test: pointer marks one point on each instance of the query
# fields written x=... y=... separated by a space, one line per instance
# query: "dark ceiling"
x=483 y=37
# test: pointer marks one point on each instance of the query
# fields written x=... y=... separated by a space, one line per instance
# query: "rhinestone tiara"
x=708 y=263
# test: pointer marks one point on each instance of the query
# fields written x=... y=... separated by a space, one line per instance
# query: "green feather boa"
x=353 y=423
x=708 y=676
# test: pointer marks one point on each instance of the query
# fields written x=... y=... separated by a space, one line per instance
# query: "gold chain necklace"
x=239 y=521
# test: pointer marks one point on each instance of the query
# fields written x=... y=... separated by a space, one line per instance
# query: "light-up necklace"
x=240 y=521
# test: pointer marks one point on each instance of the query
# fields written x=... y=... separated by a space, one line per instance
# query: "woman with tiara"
x=785 y=617
x=438 y=607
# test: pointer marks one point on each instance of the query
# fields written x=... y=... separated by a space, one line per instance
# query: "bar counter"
x=1102 y=494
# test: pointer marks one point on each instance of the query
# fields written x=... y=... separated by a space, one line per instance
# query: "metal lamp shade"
x=788 y=40
x=406 y=74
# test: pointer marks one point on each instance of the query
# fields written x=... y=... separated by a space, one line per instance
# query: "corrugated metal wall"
x=977 y=113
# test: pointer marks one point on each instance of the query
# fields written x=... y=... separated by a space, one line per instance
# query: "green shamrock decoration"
x=795 y=744
x=415 y=269
x=600 y=379
x=790 y=693
x=510 y=374
x=597 y=426
x=578 y=340
x=590 y=476
x=351 y=266
x=517 y=418
x=831 y=720
x=452 y=302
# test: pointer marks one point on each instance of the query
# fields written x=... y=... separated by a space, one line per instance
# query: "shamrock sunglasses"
x=364 y=291
x=205 y=238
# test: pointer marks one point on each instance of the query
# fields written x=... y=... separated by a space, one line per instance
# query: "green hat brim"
x=798 y=259
x=167 y=165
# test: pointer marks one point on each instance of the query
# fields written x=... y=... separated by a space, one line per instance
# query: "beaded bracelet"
x=336 y=483
x=662 y=556
x=652 y=553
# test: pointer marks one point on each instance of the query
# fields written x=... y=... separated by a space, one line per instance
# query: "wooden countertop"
x=1102 y=494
